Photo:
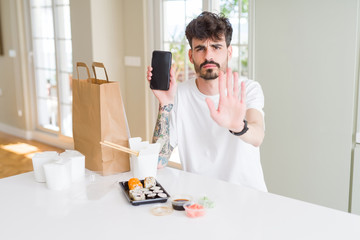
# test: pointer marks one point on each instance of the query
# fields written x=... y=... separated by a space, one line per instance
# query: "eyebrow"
x=212 y=45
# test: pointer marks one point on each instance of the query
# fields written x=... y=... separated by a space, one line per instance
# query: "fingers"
x=243 y=92
x=236 y=85
x=172 y=72
x=222 y=84
x=149 y=73
x=172 y=76
x=232 y=83
x=229 y=82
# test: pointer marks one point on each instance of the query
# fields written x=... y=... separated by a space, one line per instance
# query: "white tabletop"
x=98 y=209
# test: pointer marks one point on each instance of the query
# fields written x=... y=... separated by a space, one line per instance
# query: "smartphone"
x=161 y=64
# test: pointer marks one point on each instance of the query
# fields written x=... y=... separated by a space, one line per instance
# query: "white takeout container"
x=145 y=165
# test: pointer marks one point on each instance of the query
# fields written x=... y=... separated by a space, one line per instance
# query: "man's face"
x=209 y=57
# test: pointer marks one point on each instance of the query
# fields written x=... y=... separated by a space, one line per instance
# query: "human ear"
x=190 y=56
x=230 y=49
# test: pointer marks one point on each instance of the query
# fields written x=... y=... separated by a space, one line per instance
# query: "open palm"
x=231 y=109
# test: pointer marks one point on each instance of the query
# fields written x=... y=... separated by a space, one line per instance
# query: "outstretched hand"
x=164 y=97
x=232 y=109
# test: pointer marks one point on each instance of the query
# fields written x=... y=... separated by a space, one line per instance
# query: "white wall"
x=98 y=35
x=11 y=80
x=305 y=60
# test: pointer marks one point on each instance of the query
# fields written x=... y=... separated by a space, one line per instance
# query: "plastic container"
x=161 y=210
x=178 y=201
x=194 y=210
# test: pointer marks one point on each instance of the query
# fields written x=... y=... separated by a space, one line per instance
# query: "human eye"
x=217 y=47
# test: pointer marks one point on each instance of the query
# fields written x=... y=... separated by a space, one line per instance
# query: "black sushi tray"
x=125 y=188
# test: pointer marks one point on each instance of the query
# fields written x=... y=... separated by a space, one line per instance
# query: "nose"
x=209 y=55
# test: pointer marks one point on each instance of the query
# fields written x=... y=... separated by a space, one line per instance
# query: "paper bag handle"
x=81 y=64
x=99 y=65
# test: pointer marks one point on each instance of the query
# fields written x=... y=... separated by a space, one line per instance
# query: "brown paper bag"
x=99 y=115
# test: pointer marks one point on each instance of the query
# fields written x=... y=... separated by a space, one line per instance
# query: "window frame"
x=41 y=130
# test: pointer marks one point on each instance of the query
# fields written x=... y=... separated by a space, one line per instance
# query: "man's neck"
x=208 y=87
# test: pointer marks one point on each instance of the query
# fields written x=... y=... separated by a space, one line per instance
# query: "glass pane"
x=244 y=30
x=40 y=3
x=193 y=9
x=174 y=20
x=47 y=113
x=66 y=88
x=244 y=52
x=42 y=22
x=62 y=2
x=230 y=8
x=244 y=7
x=177 y=14
x=235 y=25
x=65 y=55
x=66 y=119
x=179 y=57
x=234 y=62
x=44 y=53
x=64 y=27
x=45 y=83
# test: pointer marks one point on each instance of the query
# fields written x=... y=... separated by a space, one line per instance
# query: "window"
x=52 y=51
x=178 y=13
x=237 y=12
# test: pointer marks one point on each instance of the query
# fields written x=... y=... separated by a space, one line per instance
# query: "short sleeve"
x=254 y=96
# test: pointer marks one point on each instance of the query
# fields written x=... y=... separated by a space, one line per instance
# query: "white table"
x=99 y=210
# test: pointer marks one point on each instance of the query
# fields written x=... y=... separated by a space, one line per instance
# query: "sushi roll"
x=137 y=196
x=148 y=192
x=134 y=183
x=149 y=182
x=137 y=190
x=158 y=191
x=162 y=195
x=143 y=190
x=151 y=196
x=155 y=188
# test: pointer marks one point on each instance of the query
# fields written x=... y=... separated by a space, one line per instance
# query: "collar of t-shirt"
x=214 y=98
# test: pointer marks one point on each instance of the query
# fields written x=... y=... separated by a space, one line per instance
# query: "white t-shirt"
x=208 y=149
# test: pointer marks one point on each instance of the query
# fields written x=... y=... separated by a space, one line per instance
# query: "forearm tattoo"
x=162 y=131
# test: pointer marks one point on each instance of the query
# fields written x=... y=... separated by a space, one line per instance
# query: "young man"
x=217 y=127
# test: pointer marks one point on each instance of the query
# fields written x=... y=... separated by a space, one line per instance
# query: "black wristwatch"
x=242 y=131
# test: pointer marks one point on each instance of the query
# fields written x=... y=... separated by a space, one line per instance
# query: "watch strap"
x=245 y=129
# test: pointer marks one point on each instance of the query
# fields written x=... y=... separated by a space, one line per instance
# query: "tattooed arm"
x=162 y=131
x=166 y=100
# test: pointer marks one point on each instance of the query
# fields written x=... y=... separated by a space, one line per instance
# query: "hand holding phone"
x=161 y=64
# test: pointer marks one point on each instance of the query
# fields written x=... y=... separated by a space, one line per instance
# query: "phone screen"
x=161 y=64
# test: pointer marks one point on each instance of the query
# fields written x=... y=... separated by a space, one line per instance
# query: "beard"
x=210 y=73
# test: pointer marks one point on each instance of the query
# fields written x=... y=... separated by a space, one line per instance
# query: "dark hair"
x=209 y=26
